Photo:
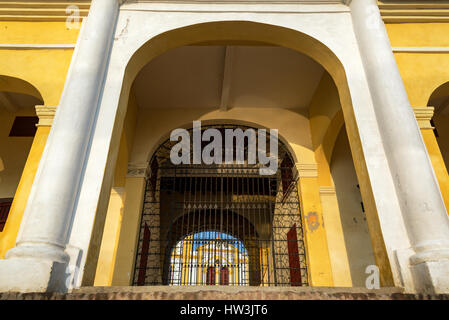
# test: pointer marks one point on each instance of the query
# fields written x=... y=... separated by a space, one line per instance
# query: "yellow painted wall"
x=418 y=34
x=44 y=69
x=44 y=72
x=9 y=234
x=422 y=74
x=126 y=249
x=317 y=250
x=35 y=32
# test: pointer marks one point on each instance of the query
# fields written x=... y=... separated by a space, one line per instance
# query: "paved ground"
x=223 y=293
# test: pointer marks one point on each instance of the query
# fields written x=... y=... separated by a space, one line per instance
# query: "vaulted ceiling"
x=228 y=77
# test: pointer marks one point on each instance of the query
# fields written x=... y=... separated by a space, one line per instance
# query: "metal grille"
x=220 y=225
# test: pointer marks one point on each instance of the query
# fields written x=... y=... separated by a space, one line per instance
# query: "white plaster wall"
x=355 y=229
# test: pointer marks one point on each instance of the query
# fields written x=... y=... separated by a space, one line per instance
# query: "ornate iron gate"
x=220 y=225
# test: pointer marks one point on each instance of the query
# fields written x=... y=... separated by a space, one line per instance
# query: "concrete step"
x=224 y=293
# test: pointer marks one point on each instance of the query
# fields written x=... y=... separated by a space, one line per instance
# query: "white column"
x=48 y=214
x=417 y=188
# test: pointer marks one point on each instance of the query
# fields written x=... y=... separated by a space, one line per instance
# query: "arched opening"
x=160 y=100
x=18 y=120
x=209 y=258
x=440 y=101
x=225 y=223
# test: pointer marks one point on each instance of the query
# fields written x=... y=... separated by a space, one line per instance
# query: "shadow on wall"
x=353 y=219
x=2 y=168
x=440 y=101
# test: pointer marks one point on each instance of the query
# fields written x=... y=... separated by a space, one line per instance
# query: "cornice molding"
x=307 y=170
x=327 y=191
x=233 y=6
x=25 y=46
x=46 y=115
x=420 y=49
x=118 y=191
x=55 y=10
x=40 y=10
x=414 y=11
x=137 y=170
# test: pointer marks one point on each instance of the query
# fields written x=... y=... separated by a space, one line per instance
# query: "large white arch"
x=141 y=36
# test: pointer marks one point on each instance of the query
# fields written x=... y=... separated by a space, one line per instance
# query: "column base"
x=402 y=274
x=32 y=275
x=430 y=272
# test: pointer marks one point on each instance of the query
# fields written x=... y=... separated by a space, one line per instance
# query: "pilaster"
x=132 y=212
x=320 y=268
x=338 y=254
x=423 y=116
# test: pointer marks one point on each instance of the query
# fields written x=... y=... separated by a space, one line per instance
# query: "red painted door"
x=224 y=276
x=144 y=256
x=293 y=257
x=210 y=279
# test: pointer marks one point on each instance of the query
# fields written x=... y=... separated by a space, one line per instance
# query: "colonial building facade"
x=91 y=91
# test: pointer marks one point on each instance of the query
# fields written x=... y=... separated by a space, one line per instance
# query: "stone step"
x=234 y=289
x=224 y=293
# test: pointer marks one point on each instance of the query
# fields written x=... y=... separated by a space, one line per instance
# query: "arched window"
x=209 y=258
x=221 y=224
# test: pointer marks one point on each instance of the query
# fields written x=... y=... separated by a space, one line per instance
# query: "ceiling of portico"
x=228 y=77
x=15 y=102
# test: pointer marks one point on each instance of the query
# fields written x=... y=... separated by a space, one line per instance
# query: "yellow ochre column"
x=338 y=253
x=106 y=259
x=9 y=234
x=423 y=116
x=129 y=231
x=317 y=252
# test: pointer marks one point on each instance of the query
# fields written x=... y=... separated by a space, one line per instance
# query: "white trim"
x=36 y=46
x=307 y=170
x=327 y=191
x=422 y=49
x=219 y=7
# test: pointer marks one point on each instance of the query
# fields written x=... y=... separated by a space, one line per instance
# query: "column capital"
x=137 y=170
x=423 y=116
x=46 y=115
x=307 y=170
x=327 y=191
